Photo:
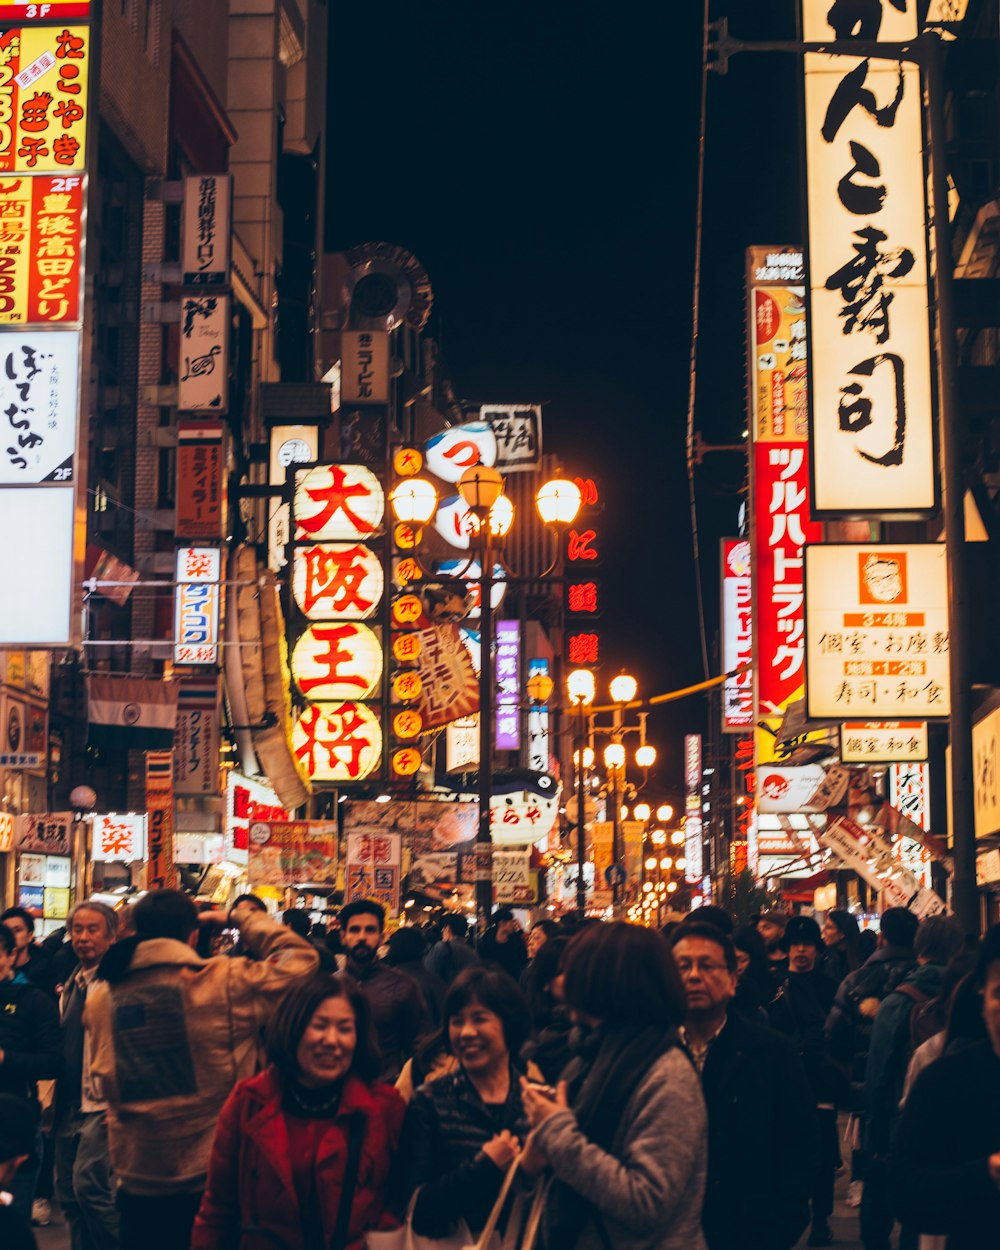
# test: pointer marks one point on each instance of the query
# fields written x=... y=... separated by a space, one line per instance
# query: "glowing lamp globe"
x=658 y=837
x=650 y=864
x=671 y=886
x=614 y=755
x=641 y=811
x=540 y=687
x=413 y=500
x=501 y=516
x=664 y=812
x=666 y=863
x=481 y=486
x=558 y=501
x=645 y=757
x=581 y=687
x=623 y=688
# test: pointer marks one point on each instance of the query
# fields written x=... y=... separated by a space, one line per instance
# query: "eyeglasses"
x=684 y=966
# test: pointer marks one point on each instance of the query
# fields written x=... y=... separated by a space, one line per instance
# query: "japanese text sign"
x=737 y=635
x=47 y=833
x=21 y=10
x=337 y=581
x=38 y=405
x=871 y=398
x=374 y=862
x=776 y=316
x=247 y=799
x=512 y=881
x=196 y=738
x=518 y=432
x=909 y=792
x=203 y=382
x=883 y=742
x=117 y=838
x=986 y=773
x=338 y=741
x=199 y=479
x=339 y=660
x=876 y=631
x=294 y=852
x=196 y=610
x=337 y=501
x=43 y=98
x=693 y=850
x=508 y=666
x=205 y=258
x=364 y=369
x=449 y=689
x=160 y=871
x=40 y=249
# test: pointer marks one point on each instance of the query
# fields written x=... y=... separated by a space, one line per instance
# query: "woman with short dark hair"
x=625 y=1132
x=463 y=1130
x=303 y=1150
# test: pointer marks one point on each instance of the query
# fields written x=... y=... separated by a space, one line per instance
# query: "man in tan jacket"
x=171 y=1034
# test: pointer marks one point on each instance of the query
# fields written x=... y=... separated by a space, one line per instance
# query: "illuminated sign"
x=43 y=99
x=196 y=605
x=777 y=324
x=293 y=852
x=877 y=631
x=737 y=635
x=909 y=793
x=883 y=742
x=37 y=569
x=693 y=850
x=508 y=666
x=337 y=581
x=338 y=741
x=517 y=429
x=451 y=452
x=117 y=838
x=40 y=243
x=871 y=400
x=340 y=660
x=337 y=501
x=290 y=445
x=248 y=799
x=374 y=865
x=19 y=10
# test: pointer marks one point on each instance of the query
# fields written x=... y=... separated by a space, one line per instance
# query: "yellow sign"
x=407 y=610
x=342 y=660
x=43 y=99
x=406 y=537
x=406 y=648
x=406 y=686
x=407 y=724
x=338 y=741
x=407 y=461
x=407 y=571
x=406 y=761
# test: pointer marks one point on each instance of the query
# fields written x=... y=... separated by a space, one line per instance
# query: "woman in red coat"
x=283 y=1145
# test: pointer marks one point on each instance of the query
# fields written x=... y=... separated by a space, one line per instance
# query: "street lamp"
x=413 y=502
x=581 y=690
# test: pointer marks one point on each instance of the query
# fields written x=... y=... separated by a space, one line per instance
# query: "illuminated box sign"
x=877 y=631
x=117 y=838
x=206 y=230
x=293 y=852
x=692 y=808
x=777 y=322
x=203 y=384
x=248 y=799
x=40 y=243
x=871 y=400
x=909 y=792
x=200 y=462
x=508 y=670
x=737 y=635
x=373 y=870
x=43 y=99
x=337 y=581
x=39 y=372
x=196 y=609
x=883 y=742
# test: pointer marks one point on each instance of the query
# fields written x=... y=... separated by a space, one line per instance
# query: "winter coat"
x=441 y=1153
x=950 y=1125
x=251 y=1202
x=171 y=1034
x=510 y=956
x=432 y=988
x=649 y=1189
x=847 y=1028
x=399 y=1014
x=29 y=1037
x=761 y=1139
x=448 y=959
x=800 y=1012
x=889 y=1052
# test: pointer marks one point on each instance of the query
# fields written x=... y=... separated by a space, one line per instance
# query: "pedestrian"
x=842 y=939
x=463 y=1130
x=84 y=1181
x=963 y=1023
x=303 y=1151
x=452 y=954
x=297 y=920
x=30 y=1051
x=800 y=1011
x=405 y=952
x=399 y=1015
x=540 y=933
x=761 y=1118
x=771 y=927
x=945 y=1162
x=755 y=986
x=33 y=961
x=18 y=1142
x=549 y=1046
x=503 y=944
x=170 y=1035
x=625 y=1131
x=937 y=941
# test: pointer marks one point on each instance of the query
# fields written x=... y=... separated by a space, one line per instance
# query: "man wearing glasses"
x=761 y=1112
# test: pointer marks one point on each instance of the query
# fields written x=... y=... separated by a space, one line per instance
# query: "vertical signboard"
x=737 y=635
x=692 y=808
x=206 y=230
x=160 y=871
x=373 y=869
x=200 y=464
x=196 y=605
x=872 y=401
x=196 y=740
x=203 y=383
x=364 y=368
x=508 y=668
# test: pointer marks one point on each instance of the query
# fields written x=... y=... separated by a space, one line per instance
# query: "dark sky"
x=541 y=164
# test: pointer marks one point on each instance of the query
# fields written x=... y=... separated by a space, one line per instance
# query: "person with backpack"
x=905 y=1018
x=452 y=954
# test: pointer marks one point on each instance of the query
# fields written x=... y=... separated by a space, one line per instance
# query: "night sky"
x=541 y=164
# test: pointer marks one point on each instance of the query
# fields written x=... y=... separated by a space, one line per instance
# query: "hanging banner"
x=196 y=738
x=200 y=467
x=373 y=871
x=43 y=97
x=871 y=856
x=877 y=631
x=883 y=741
x=294 y=852
x=737 y=635
x=40 y=270
x=203 y=384
x=872 y=404
x=161 y=874
x=206 y=230
x=449 y=687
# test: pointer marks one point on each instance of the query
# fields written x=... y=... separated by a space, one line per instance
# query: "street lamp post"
x=580 y=685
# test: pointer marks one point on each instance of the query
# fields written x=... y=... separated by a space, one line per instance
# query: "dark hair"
x=625 y=974
x=938 y=939
x=989 y=953
x=456 y=923
x=898 y=926
x=7 y=940
x=710 y=914
x=249 y=898
x=297 y=920
x=494 y=990
x=548 y=927
x=747 y=938
x=19 y=913
x=707 y=933
x=362 y=907
x=965 y=1013
x=847 y=926
x=502 y=914
x=542 y=971
x=291 y=1019
x=405 y=945
x=165 y=914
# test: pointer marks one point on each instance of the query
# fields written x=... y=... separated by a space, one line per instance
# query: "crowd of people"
x=606 y=1085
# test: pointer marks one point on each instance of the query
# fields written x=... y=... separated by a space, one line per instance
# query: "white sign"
x=196 y=605
x=39 y=372
x=986 y=774
x=737 y=635
x=693 y=849
x=36 y=566
x=876 y=631
x=512 y=877
x=203 y=384
x=518 y=432
x=199 y=848
x=462 y=744
x=290 y=445
x=118 y=838
x=883 y=741
x=248 y=799
x=205 y=260
x=870 y=398
x=364 y=373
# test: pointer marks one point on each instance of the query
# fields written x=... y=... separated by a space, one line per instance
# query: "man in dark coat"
x=761 y=1117
x=945 y=1163
x=503 y=945
x=18 y=1138
x=33 y=961
x=452 y=954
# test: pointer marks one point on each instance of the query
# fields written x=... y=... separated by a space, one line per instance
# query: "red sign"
x=40 y=240
x=17 y=11
x=200 y=495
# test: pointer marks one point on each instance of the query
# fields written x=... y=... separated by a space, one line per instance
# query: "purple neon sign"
x=508 y=668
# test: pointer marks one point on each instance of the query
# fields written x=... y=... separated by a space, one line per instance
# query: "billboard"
x=44 y=99
x=41 y=222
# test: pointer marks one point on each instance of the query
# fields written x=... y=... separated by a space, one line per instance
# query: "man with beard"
x=761 y=1122
x=799 y=1011
x=398 y=1011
